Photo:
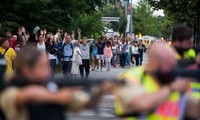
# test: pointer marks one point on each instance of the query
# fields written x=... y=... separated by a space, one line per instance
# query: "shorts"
x=94 y=57
x=66 y=66
x=100 y=57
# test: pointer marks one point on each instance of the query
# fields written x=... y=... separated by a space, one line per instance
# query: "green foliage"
x=91 y=25
x=144 y=22
x=112 y=11
x=179 y=10
x=51 y=14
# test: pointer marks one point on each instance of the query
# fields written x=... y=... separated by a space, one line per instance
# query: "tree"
x=113 y=11
x=50 y=14
x=181 y=11
x=144 y=22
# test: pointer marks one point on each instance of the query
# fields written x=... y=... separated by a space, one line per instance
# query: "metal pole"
x=131 y=23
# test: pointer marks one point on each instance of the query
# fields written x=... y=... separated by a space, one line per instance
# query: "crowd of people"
x=154 y=92
x=74 y=56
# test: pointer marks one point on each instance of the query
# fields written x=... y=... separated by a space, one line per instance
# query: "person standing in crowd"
x=108 y=54
x=127 y=59
x=100 y=54
x=51 y=51
x=41 y=46
x=131 y=53
x=76 y=60
x=94 y=56
x=9 y=54
x=21 y=38
x=67 y=54
x=135 y=53
x=12 y=41
x=114 y=52
x=141 y=49
x=85 y=55
x=123 y=54
x=155 y=94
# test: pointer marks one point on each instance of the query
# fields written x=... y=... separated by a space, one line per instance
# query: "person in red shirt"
x=12 y=41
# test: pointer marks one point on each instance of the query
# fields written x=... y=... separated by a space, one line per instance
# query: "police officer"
x=182 y=37
x=153 y=95
x=26 y=97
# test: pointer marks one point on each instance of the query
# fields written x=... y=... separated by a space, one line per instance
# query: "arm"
x=150 y=101
x=91 y=42
x=39 y=94
x=79 y=35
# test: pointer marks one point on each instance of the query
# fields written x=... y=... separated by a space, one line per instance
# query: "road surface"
x=105 y=108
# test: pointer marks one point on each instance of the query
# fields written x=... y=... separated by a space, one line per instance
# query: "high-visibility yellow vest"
x=169 y=110
x=190 y=54
x=194 y=88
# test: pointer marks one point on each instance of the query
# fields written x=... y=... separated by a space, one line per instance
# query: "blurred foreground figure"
x=26 y=97
x=153 y=94
x=186 y=55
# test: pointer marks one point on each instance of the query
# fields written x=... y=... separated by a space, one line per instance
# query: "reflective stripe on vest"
x=170 y=110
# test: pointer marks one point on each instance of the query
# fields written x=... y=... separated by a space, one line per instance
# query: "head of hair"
x=2 y=41
x=181 y=33
x=10 y=31
x=108 y=44
x=27 y=57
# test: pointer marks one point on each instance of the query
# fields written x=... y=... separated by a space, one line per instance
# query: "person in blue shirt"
x=94 y=56
x=67 y=53
x=100 y=53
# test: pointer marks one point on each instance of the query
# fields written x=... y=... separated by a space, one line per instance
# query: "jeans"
x=114 y=59
x=141 y=58
x=53 y=65
x=137 y=56
x=127 y=59
x=122 y=60
x=86 y=66
x=107 y=60
x=66 y=67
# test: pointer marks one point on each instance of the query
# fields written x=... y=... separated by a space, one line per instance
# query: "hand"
x=41 y=32
x=79 y=31
x=180 y=85
x=45 y=31
x=72 y=34
x=65 y=34
x=23 y=29
x=107 y=86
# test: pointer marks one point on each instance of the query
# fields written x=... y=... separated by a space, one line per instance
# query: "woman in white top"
x=135 y=53
x=41 y=44
x=76 y=60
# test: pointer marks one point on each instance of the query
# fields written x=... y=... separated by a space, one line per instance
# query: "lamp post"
x=128 y=11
